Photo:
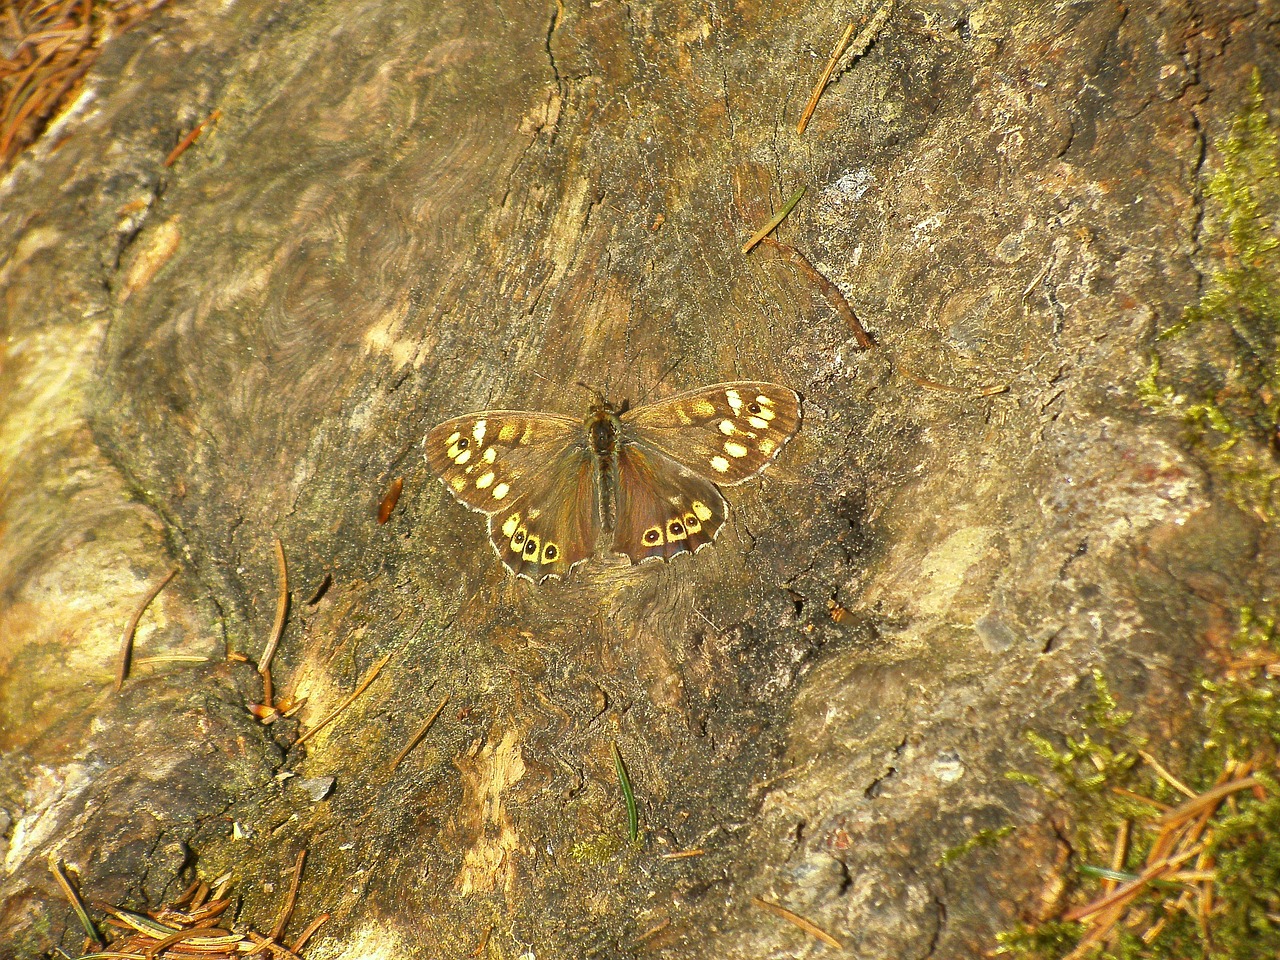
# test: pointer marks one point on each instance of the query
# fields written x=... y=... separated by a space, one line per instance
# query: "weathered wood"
x=404 y=214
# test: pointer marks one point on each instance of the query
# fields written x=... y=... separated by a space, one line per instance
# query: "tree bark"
x=404 y=214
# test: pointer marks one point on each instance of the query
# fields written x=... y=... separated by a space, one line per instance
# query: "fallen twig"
x=190 y=138
x=684 y=854
x=823 y=80
x=364 y=684
x=829 y=290
x=286 y=911
x=847 y=51
x=806 y=925
x=282 y=609
x=422 y=732
x=126 y=639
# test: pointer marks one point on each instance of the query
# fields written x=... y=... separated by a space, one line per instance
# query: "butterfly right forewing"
x=728 y=432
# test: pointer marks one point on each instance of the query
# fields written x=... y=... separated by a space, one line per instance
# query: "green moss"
x=597 y=849
x=983 y=838
x=1084 y=766
x=1227 y=390
x=1053 y=939
x=1239 y=720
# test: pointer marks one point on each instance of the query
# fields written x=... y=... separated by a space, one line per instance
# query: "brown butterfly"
x=551 y=485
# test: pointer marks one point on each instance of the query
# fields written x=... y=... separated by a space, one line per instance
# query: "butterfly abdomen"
x=602 y=429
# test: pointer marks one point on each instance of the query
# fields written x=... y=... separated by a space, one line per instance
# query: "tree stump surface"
x=403 y=215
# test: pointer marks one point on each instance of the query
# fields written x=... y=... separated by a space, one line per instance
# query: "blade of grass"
x=59 y=874
x=772 y=225
x=633 y=812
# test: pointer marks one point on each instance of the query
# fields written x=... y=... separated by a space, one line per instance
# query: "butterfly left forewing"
x=534 y=477
x=485 y=459
x=663 y=509
x=728 y=432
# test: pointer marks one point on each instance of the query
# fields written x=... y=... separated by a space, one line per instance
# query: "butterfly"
x=648 y=476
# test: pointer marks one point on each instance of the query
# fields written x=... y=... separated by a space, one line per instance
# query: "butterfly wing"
x=728 y=432
x=483 y=458
x=663 y=508
x=552 y=527
x=534 y=477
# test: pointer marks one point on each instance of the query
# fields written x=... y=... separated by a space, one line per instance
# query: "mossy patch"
x=1172 y=857
x=1223 y=378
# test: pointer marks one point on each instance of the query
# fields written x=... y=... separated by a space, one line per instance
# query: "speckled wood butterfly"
x=551 y=485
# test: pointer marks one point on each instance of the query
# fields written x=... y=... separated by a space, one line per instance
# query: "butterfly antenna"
x=665 y=373
x=596 y=395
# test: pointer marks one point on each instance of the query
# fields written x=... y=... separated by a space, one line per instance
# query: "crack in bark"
x=940 y=911
x=551 y=55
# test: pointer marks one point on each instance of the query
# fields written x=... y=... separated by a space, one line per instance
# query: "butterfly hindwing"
x=727 y=432
x=554 y=524
x=486 y=459
x=663 y=509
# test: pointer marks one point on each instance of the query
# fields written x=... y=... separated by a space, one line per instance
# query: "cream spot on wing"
x=727 y=427
x=510 y=525
x=490 y=454
x=484 y=480
x=700 y=510
x=459 y=484
x=758 y=422
x=735 y=400
x=766 y=414
x=500 y=491
x=761 y=398
x=719 y=464
x=462 y=458
x=508 y=432
x=453 y=438
x=766 y=446
x=683 y=415
x=534 y=514
x=734 y=449
x=703 y=407
x=528 y=432
x=478 y=430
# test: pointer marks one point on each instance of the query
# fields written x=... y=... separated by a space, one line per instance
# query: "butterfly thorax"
x=603 y=427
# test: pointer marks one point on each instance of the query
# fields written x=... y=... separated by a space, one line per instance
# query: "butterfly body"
x=645 y=478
